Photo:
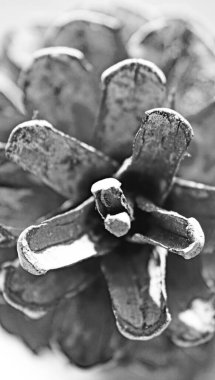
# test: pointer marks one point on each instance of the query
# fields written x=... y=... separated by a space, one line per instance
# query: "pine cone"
x=101 y=271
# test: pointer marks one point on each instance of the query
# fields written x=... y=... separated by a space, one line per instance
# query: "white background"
x=16 y=362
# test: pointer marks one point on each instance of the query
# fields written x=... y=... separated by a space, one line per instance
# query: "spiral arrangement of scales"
x=107 y=208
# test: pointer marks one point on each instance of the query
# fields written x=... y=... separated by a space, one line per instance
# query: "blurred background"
x=16 y=361
x=16 y=12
